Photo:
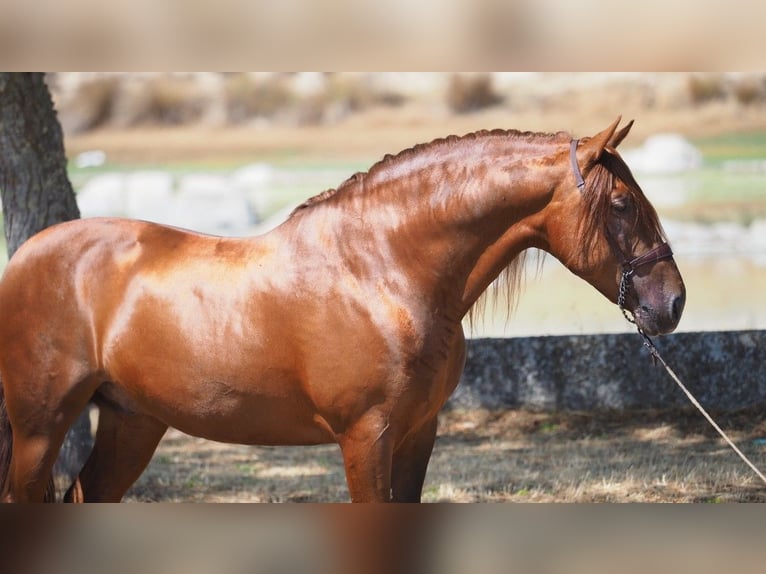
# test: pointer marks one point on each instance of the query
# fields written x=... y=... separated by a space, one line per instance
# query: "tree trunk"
x=36 y=193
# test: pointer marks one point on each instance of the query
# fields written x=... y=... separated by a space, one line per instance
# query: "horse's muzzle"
x=663 y=318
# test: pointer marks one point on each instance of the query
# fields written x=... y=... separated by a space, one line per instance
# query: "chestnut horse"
x=341 y=325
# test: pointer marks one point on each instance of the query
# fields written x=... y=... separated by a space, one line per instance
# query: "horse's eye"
x=620 y=203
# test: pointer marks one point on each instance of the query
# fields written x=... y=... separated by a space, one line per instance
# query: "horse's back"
x=66 y=263
x=66 y=283
x=61 y=246
x=100 y=250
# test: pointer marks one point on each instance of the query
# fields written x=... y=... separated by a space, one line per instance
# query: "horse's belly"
x=304 y=429
x=222 y=413
x=267 y=423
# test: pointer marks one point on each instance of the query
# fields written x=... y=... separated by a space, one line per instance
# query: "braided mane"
x=390 y=160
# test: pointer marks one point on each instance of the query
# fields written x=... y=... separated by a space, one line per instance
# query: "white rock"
x=148 y=196
x=254 y=181
x=103 y=196
x=664 y=191
x=210 y=204
x=252 y=177
x=663 y=154
x=93 y=158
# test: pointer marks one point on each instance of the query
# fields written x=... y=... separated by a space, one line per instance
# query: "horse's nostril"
x=678 y=307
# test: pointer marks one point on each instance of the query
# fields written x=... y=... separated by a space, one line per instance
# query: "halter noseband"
x=629 y=266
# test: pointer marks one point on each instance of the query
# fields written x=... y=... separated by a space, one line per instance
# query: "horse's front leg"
x=367 y=448
x=410 y=463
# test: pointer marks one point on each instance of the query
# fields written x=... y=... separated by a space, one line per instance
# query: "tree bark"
x=36 y=193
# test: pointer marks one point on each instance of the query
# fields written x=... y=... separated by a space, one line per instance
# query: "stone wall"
x=724 y=370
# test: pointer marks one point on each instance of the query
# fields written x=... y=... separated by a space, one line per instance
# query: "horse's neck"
x=451 y=222
x=469 y=215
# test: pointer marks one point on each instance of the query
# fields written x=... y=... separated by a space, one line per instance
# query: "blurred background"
x=233 y=153
x=176 y=147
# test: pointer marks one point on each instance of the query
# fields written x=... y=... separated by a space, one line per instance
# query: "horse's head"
x=607 y=232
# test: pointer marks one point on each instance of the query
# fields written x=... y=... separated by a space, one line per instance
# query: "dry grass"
x=749 y=90
x=706 y=87
x=130 y=101
x=483 y=456
x=245 y=98
x=92 y=107
x=367 y=135
x=466 y=94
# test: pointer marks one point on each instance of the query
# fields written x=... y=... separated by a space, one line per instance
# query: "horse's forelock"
x=597 y=197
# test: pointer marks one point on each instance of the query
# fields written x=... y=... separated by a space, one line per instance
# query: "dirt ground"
x=493 y=456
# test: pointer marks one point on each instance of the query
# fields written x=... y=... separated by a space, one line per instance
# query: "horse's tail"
x=6 y=450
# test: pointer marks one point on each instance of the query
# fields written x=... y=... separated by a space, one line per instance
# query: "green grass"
x=724 y=147
x=714 y=195
x=717 y=194
x=549 y=427
x=718 y=185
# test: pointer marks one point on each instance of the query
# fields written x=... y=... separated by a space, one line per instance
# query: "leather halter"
x=629 y=266
x=576 y=168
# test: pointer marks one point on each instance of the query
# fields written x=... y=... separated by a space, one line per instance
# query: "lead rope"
x=649 y=344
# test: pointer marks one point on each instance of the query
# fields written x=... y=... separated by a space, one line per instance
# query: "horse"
x=343 y=325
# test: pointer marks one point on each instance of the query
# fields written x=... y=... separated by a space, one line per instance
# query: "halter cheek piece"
x=629 y=266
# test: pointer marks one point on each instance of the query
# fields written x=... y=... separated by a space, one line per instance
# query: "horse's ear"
x=591 y=149
x=620 y=135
